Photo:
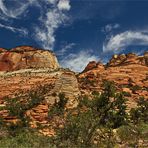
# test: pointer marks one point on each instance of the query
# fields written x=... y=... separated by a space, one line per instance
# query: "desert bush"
x=94 y=120
x=140 y=114
x=135 y=88
x=18 y=106
x=131 y=134
x=126 y=94
x=26 y=139
x=59 y=106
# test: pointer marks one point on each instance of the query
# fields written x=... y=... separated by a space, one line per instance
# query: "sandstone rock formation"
x=25 y=57
x=24 y=69
x=129 y=72
x=92 y=65
x=2 y=50
x=68 y=85
x=50 y=82
x=131 y=58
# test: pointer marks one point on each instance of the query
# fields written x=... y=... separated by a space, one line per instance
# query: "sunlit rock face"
x=131 y=58
x=129 y=72
x=26 y=57
x=27 y=69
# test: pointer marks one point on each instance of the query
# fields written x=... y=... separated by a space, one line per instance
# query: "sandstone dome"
x=26 y=57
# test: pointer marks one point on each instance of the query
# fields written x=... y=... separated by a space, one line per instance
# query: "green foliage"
x=101 y=121
x=76 y=132
x=140 y=114
x=59 y=106
x=95 y=93
x=1 y=121
x=25 y=139
x=111 y=107
x=131 y=134
x=126 y=94
x=18 y=106
x=94 y=120
x=62 y=101
x=135 y=88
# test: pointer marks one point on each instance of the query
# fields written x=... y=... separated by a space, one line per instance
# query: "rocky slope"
x=26 y=69
x=129 y=72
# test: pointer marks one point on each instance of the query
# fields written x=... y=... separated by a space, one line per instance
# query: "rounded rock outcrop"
x=27 y=57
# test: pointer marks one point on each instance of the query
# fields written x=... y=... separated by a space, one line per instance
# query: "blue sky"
x=78 y=31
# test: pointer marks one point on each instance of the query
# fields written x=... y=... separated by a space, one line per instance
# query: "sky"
x=77 y=31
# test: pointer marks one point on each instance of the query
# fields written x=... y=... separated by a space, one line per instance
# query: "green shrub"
x=94 y=120
x=26 y=139
x=135 y=88
x=18 y=106
x=126 y=94
x=140 y=114
x=131 y=134
x=59 y=106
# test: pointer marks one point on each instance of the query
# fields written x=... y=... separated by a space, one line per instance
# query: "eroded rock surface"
x=68 y=85
x=52 y=82
x=25 y=69
x=25 y=57
x=129 y=72
x=131 y=58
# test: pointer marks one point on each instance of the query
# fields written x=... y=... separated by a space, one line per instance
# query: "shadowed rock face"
x=146 y=58
x=93 y=65
x=25 y=57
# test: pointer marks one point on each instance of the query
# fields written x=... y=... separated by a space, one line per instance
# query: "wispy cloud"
x=77 y=62
x=15 y=9
x=22 y=31
x=109 y=27
x=54 y=17
x=12 y=11
x=65 y=48
x=123 y=40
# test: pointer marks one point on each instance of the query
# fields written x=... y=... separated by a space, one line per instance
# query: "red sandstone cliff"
x=25 y=57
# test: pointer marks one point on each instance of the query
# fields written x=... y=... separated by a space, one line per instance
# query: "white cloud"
x=64 y=5
x=14 y=11
x=110 y=27
x=52 y=16
x=22 y=31
x=77 y=62
x=50 y=22
x=64 y=49
x=123 y=40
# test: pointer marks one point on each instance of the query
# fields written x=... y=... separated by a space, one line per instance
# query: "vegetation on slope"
x=102 y=121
